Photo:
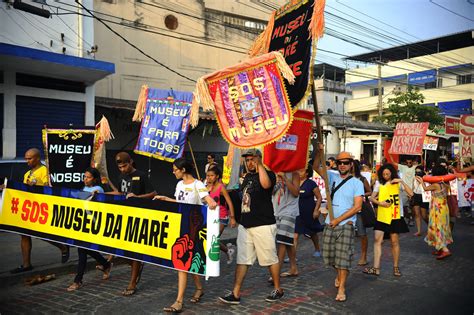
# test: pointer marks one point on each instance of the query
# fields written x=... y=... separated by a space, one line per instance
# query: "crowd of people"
x=278 y=208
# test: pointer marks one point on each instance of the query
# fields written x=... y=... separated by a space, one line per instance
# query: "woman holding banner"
x=91 y=182
x=192 y=191
x=439 y=233
x=390 y=220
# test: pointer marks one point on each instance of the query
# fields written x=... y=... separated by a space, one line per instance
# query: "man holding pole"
x=338 y=237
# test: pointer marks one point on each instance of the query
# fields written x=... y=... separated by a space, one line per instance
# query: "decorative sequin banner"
x=250 y=100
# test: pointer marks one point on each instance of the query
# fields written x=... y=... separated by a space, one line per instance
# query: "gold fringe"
x=316 y=26
x=201 y=98
x=104 y=129
x=262 y=43
x=283 y=67
x=141 y=104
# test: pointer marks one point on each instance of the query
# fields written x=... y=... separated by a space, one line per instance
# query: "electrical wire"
x=439 y=5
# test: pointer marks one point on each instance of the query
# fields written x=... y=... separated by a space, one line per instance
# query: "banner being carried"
x=250 y=100
x=172 y=235
x=408 y=138
x=293 y=30
x=466 y=136
x=68 y=153
x=390 y=194
x=290 y=153
x=165 y=125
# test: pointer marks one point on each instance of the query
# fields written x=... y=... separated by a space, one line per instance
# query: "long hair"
x=439 y=170
x=356 y=168
x=392 y=170
x=95 y=174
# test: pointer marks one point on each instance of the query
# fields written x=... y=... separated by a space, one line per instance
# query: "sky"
x=404 y=21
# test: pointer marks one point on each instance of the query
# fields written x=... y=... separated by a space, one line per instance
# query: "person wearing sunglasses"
x=338 y=236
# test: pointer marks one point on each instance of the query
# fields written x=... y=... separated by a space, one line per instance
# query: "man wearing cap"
x=133 y=183
x=257 y=229
x=338 y=237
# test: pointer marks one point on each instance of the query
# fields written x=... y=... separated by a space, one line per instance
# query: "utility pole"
x=379 y=86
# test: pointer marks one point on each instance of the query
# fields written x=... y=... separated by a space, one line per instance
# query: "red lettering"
x=296 y=68
x=44 y=213
x=26 y=210
x=467 y=129
x=35 y=211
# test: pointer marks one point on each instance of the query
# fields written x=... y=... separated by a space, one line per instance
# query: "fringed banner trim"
x=141 y=104
x=262 y=43
x=316 y=26
x=105 y=133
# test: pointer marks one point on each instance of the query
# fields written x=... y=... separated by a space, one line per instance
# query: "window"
x=336 y=98
x=464 y=79
x=440 y=82
x=430 y=85
x=375 y=91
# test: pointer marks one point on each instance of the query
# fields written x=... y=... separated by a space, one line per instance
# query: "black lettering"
x=69 y=217
x=144 y=232
x=117 y=227
x=164 y=234
x=87 y=220
x=77 y=220
x=131 y=231
x=154 y=232
x=109 y=223
x=58 y=216
x=96 y=220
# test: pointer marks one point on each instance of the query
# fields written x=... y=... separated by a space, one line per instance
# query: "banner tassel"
x=141 y=104
x=262 y=43
x=283 y=67
x=201 y=98
x=105 y=132
x=316 y=26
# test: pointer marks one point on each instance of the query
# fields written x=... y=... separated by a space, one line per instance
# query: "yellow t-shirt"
x=38 y=177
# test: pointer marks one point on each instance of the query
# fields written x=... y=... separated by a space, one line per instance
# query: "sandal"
x=106 y=271
x=129 y=292
x=197 y=296
x=396 y=272
x=372 y=271
x=173 y=308
x=74 y=286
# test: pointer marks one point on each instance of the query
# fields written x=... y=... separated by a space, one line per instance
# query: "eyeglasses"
x=343 y=162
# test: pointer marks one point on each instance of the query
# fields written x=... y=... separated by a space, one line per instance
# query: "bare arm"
x=293 y=185
x=317 y=159
x=431 y=187
x=466 y=169
x=319 y=199
x=367 y=189
x=407 y=188
x=230 y=205
x=262 y=174
x=145 y=196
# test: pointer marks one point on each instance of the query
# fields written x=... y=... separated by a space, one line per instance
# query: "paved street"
x=427 y=285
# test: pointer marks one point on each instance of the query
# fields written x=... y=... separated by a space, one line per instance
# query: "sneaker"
x=230 y=299
x=275 y=296
x=317 y=254
x=230 y=253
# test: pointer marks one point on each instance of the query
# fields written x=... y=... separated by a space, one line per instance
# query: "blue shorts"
x=224 y=221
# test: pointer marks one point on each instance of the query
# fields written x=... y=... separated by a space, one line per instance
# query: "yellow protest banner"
x=390 y=194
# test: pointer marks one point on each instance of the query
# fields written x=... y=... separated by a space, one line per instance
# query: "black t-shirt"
x=136 y=182
x=257 y=207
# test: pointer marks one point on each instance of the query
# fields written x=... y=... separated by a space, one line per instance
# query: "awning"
x=40 y=62
x=462 y=67
x=422 y=77
x=455 y=108
x=395 y=78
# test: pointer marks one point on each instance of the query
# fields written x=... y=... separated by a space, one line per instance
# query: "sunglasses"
x=343 y=162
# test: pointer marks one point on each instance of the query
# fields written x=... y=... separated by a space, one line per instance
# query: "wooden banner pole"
x=319 y=132
x=194 y=159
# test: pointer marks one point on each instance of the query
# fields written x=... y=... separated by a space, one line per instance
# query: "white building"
x=47 y=71
x=441 y=67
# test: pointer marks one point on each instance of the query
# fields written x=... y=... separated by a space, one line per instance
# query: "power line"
x=132 y=45
x=439 y=5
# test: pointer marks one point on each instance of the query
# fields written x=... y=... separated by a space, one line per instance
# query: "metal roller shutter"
x=33 y=113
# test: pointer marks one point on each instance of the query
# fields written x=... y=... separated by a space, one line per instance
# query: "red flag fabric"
x=290 y=153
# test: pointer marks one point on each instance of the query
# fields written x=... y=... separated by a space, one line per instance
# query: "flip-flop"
x=129 y=292
x=340 y=298
x=287 y=274
x=362 y=264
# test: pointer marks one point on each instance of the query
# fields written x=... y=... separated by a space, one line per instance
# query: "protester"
x=210 y=162
x=285 y=205
x=217 y=191
x=439 y=232
x=192 y=191
x=420 y=208
x=407 y=174
x=257 y=229
x=331 y=164
x=36 y=176
x=307 y=223
x=92 y=185
x=388 y=175
x=338 y=237
x=361 y=231
x=134 y=184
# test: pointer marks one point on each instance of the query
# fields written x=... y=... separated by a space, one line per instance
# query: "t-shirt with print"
x=344 y=197
x=257 y=207
x=190 y=193
x=284 y=203
x=400 y=200
x=136 y=182
x=39 y=177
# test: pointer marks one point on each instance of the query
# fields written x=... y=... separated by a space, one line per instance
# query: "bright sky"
x=405 y=21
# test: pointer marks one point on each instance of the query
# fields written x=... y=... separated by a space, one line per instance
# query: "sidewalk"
x=46 y=258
